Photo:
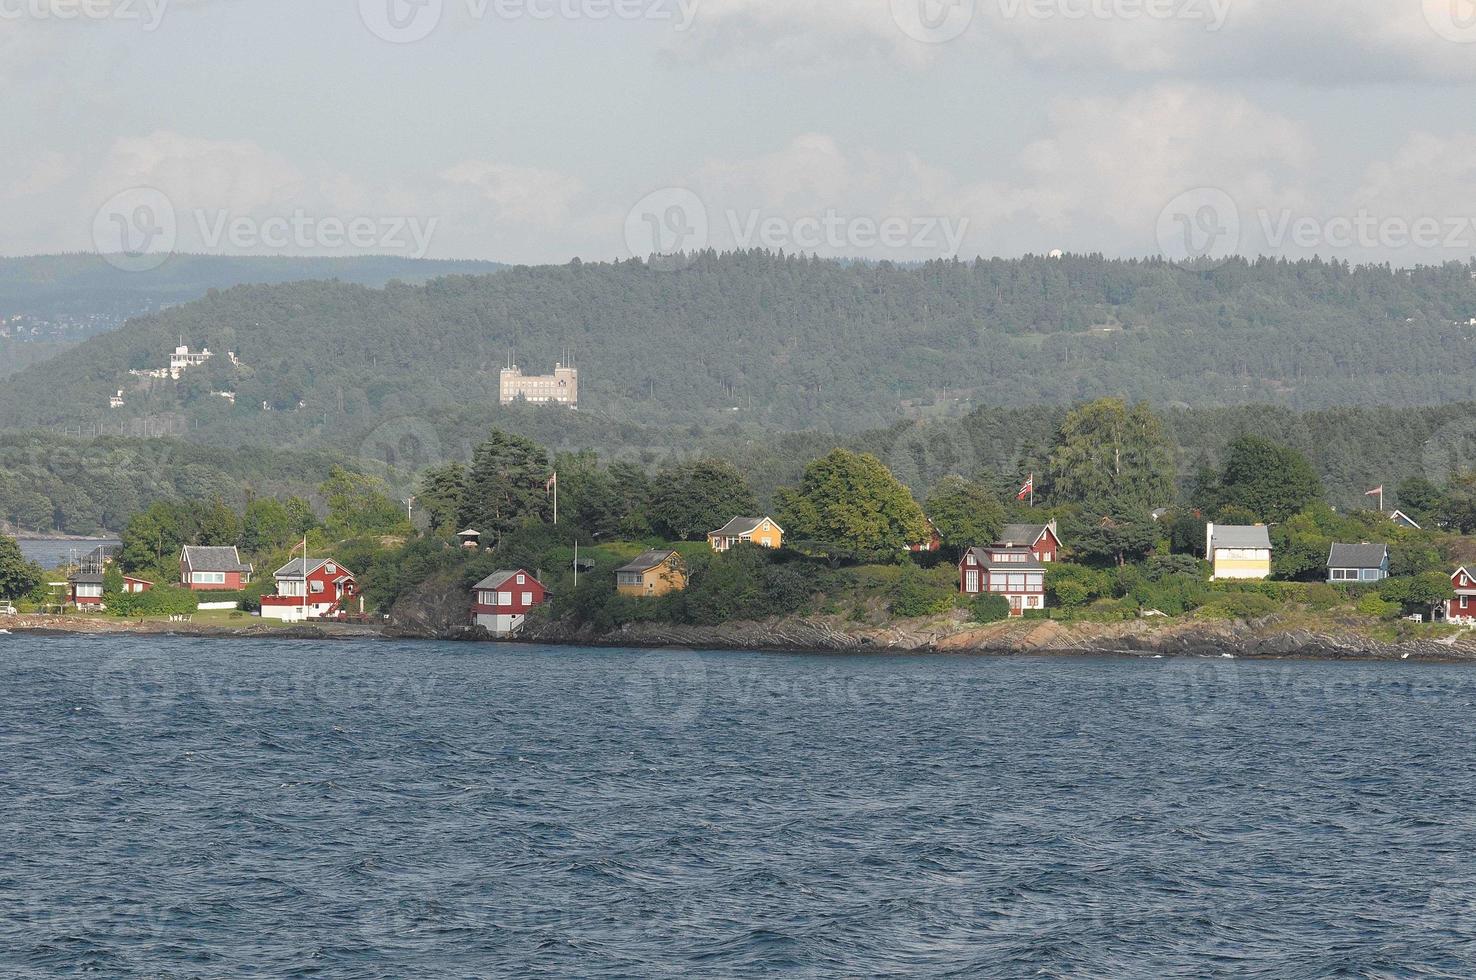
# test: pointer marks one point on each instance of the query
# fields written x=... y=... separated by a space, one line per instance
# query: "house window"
x=207 y=578
x=330 y=568
x=522 y=579
x=527 y=598
x=504 y=598
x=89 y=591
x=1464 y=600
x=317 y=587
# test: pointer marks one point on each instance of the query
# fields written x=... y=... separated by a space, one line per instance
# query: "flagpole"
x=304 y=577
x=1032 y=491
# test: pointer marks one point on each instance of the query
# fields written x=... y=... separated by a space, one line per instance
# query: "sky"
x=536 y=131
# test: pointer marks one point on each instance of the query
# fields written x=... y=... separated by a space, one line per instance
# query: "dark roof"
x=982 y=555
x=497 y=578
x=213 y=559
x=1241 y=536
x=293 y=569
x=1357 y=555
x=648 y=561
x=86 y=578
x=739 y=525
x=1022 y=534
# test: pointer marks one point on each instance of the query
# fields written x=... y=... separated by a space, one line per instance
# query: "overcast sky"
x=540 y=130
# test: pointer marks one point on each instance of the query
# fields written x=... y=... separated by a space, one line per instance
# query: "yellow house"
x=652 y=574
x=1239 y=552
x=761 y=531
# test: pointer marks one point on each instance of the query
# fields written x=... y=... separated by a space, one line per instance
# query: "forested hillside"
x=51 y=302
x=785 y=343
x=84 y=486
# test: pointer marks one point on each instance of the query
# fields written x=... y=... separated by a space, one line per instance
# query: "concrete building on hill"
x=559 y=388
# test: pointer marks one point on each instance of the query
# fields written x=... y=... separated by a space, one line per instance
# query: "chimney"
x=1209 y=541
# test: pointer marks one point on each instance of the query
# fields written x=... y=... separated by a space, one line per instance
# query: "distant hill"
x=50 y=302
x=773 y=343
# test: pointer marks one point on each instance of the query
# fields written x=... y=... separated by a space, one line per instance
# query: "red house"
x=933 y=543
x=1462 y=609
x=213 y=569
x=1043 y=540
x=85 y=590
x=1014 y=573
x=323 y=589
x=502 y=600
x=136 y=586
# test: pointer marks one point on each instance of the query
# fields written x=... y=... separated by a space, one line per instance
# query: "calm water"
x=199 y=809
x=50 y=554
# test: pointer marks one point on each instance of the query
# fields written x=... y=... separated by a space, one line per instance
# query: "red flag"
x=1027 y=489
x=1375 y=492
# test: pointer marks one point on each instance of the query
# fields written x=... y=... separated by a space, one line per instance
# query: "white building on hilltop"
x=559 y=388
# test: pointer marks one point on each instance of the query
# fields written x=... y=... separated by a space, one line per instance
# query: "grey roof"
x=86 y=578
x=740 y=525
x=1357 y=555
x=213 y=559
x=293 y=569
x=648 y=561
x=1241 y=536
x=1029 y=565
x=497 y=578
x=1021 y=534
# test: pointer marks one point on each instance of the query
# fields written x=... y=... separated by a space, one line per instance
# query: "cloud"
x=1310 y=41
x=1100 y=180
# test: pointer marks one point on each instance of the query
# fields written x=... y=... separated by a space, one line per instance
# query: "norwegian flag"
x=1375 y=492
x=553 y=481
x=1027 y=489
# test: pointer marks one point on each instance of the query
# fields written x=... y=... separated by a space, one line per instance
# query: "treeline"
x=785 y=343
x=96 y=485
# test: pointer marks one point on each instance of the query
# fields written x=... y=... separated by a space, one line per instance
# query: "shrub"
x=989 y=608
x=162 y=600
x=1372 y=604
x=1076 y=585
x=1322 y=597
x=1243 y=605
x=919 y=594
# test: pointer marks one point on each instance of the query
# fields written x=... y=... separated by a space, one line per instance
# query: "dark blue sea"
x=187 y=808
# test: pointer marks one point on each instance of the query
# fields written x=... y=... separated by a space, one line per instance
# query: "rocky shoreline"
x=1264 y=640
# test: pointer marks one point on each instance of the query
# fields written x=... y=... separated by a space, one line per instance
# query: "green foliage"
x=162 y=600
x=507 y=486
x=1101 y=540
x=360 y=504
x=692 y=498
x=1071 y=586
x=1374 y=604
x=742 y=583
x=1112 y=458
x=266 y=526
x=441 y=496
x=1419 y=593
x=83 y=487
x=1272 y=482
x=988 y=608
x=852 y=501
x=919 y=593
x=1322 y=597
x=965 y=514
x=1241 y=606
x=18 y=577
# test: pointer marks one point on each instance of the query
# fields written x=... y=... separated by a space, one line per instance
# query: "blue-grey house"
x=1348 y=563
